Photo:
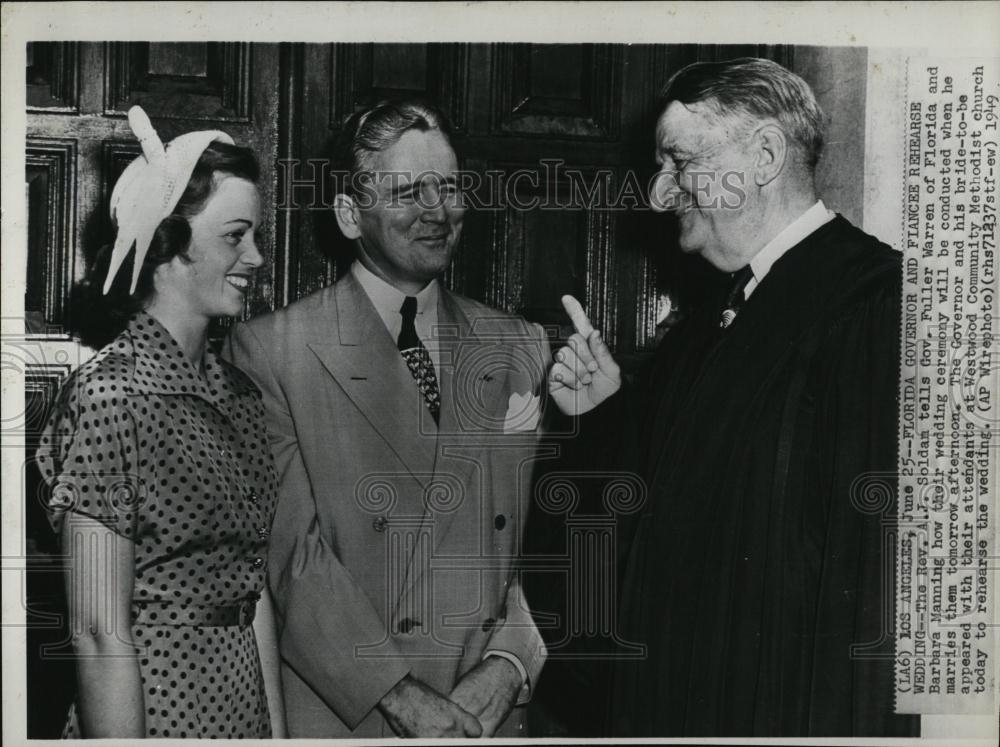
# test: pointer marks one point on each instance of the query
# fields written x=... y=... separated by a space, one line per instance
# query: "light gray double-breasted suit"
x=394 y=541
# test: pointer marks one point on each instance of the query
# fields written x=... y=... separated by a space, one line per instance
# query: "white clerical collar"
x=795 y=232
x=388 y=299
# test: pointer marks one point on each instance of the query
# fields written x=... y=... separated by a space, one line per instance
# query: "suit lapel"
x=453 y=330
x=369 y=369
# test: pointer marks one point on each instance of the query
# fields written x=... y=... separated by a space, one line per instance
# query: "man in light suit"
x=403 y=422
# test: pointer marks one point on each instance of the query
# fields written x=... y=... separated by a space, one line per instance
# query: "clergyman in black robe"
x=759 y=574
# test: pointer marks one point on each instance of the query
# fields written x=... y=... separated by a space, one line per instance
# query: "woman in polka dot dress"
x=163 y=488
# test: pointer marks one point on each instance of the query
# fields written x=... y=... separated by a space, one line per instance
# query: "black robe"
x=759 y=575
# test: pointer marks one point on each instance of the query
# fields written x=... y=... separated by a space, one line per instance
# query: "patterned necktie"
x=734 y=300
x=418 y=360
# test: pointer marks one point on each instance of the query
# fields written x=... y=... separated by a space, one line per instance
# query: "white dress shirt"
x=811 y=220
x=388 y=300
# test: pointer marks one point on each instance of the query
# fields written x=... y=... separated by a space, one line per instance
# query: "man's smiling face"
x=413 y=224
x=704 y=173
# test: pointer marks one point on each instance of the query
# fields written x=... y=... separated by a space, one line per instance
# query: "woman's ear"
x=168 y=277
x=346 y=211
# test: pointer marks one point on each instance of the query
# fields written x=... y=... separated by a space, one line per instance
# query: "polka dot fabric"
x=180 y=465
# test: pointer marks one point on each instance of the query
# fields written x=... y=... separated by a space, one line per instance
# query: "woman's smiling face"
x=222 y=255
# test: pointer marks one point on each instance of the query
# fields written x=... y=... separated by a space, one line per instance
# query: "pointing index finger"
x=577 y=315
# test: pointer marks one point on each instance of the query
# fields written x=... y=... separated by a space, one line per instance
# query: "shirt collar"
x=795 y=232
x=388 y=299
x=162 y=368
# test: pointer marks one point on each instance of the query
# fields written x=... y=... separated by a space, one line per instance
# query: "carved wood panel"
x=41 y=385
x=529 y=246
x=560 y=90
x=304 y=145
x=53 y=76
x=116 y=155
x=201 y=81
x=50 y=183
x=369 y=72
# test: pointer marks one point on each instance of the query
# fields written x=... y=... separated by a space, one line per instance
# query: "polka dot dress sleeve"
x=87 y=457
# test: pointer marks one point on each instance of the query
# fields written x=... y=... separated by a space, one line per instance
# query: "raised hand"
x=584 y=374
x=414 y=709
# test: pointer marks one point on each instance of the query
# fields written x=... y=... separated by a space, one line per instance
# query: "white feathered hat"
x=150 y=188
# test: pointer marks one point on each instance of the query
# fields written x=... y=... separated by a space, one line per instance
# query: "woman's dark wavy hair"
x=98 y=318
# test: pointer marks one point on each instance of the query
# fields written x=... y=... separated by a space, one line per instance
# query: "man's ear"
x=347 y=216
x=771 y=152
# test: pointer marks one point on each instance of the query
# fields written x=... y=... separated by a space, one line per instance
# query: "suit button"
x=258 y=562
x=500 y=521
x=407 y=624
x=253 y=497
x=263 y=533
x=488 y=624
x=379 y=523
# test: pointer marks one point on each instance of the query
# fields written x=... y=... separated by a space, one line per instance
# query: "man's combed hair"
x=377 y=127
x=756 y=88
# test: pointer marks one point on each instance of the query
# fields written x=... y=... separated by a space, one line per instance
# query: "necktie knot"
x=408 y=337
x=409 y=308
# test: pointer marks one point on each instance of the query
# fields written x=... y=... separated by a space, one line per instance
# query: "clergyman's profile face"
x=704 y=170
x=413 y=226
